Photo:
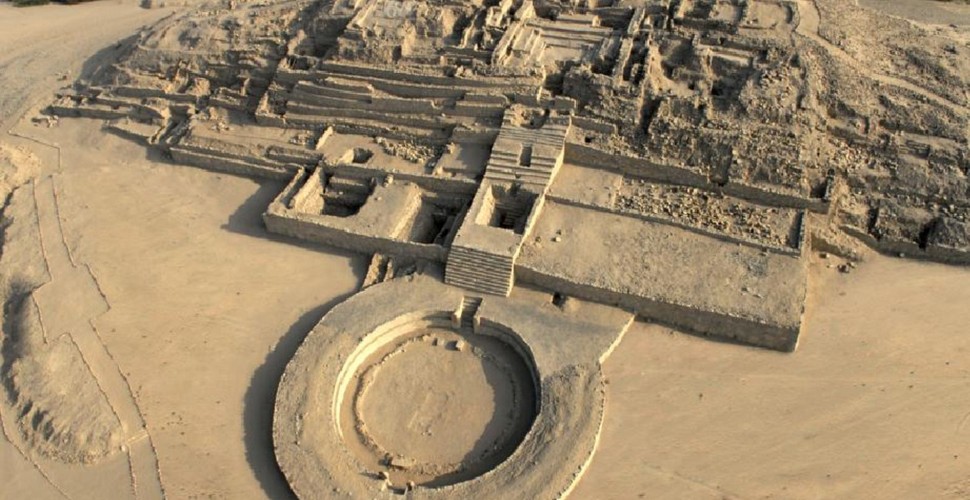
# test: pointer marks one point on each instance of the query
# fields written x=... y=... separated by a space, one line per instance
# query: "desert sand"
x=201 y=309
x=873 y=403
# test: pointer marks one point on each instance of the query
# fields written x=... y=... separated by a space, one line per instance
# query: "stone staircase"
x=469 y=307
x=551 y=134
x=504 y=167
x=505 y=164
x=379 y=270
x=343 y=195
x=511 y=218
x=522 y=164
x=480 y=271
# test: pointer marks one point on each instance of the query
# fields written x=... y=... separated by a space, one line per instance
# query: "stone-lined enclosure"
x=320 y=453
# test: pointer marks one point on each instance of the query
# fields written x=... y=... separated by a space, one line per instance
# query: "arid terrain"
x=161 y=282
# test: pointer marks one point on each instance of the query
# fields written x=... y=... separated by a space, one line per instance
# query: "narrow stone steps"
x=479 y=268
x=532 y=139
x=491 y=276
x=481 y=258
x=503 y=153
x=521 y=171
x=478 y=275
x=503 y=177
x=494 y=289
x=469 y=307
x=459 y=270
x=513 y=178
x=540 y=161
x=534 y=167
x=479 y=271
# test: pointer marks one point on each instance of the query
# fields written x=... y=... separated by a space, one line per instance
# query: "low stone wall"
x=435 y=184
x=909 y=249
x=479 y=110
x=475 y=136
x=280 y=222
x=591 y=157
x=724 y=326
x=593 y=124
x=505 y=82
x=768 y=197
x=229 y=165
x=781 y=250
x=583 y=155
x=331 y=114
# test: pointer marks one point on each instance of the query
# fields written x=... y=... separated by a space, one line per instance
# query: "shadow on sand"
x=261 y=395
x=248 y=220
x=259 y=401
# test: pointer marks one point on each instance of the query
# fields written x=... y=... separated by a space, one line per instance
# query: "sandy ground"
x=926 y=11
x=874 y=404
x=206 y=309
x=43 y=48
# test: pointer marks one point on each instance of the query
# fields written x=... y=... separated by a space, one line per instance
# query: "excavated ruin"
x=517 y=161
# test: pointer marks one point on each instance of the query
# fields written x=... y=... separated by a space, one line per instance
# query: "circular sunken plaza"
x=413 y=387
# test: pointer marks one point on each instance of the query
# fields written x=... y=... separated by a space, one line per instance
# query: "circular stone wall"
x=437 y=406
x=389 y=394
